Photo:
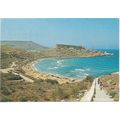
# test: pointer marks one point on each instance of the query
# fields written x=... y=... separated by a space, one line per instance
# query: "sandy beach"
x=30 y=70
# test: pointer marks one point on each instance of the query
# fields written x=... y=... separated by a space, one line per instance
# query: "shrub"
x=23 y=99
x=6 y=99
x=15 y=77
x=113 y=93
x=90 y=78
x=10 y=76
x=5 y=90
x=52 y=81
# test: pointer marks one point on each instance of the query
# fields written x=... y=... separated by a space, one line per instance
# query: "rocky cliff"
x=62 y=50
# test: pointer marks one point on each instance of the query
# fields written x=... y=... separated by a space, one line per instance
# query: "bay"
x=80 y=67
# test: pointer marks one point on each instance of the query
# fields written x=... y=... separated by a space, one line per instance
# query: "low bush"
x=43 y=90
x=6 y=99
x=112 y=94
x=10 y=76
x=24 y=98
x=5 y=90
x=52 y=81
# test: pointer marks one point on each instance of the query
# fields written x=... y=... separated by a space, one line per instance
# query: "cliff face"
x=62 y=50
x=62 y=46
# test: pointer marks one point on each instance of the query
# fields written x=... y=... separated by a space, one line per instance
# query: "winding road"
x=11 y=69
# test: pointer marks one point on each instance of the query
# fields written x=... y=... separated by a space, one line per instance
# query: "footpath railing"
x=89 y=94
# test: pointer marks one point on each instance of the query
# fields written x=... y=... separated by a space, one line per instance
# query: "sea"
x=80 y=67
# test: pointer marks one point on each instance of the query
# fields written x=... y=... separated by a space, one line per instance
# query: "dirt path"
x=89 y=94
x=25 y=78
x=13 y=65
x=96 y=94
x=7 y=70
x=100 y=95
x=11 y=69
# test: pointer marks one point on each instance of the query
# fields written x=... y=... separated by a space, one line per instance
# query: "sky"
x=90 y=33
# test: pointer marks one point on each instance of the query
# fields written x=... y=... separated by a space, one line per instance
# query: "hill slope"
x=24 y=45
x=10 y=54
x=62 y=50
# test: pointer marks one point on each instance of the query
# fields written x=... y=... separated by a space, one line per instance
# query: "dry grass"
x=19 y=90
x=111 y=85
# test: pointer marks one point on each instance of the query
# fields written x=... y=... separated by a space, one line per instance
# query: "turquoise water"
x=81 y=67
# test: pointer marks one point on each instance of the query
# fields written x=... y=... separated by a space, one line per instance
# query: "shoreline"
x=30 y=70
x=57 y=75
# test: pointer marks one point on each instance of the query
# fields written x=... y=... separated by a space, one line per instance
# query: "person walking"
x=101 y=86
x=98 y=81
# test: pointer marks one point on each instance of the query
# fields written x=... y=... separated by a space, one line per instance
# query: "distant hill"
x=10 y=54
x=16 y=51
x=24 y=45
x=62 y=50
x=63 y=46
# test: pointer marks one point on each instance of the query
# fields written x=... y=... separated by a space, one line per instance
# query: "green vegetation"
x=40 y=90
x=72 y=91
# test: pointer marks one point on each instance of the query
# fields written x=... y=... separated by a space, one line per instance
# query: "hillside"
x=111 y=85
x=11 y=52
x=15 y=88
x=24 y=45
x=62 y=50
x=9 y=55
